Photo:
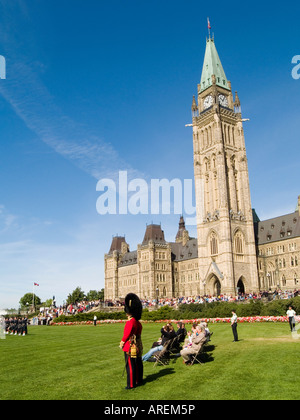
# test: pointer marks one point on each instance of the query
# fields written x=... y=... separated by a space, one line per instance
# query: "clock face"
x=208 y=101
x=223 y=100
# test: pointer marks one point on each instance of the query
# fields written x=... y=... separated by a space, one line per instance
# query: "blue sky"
x=94 y=87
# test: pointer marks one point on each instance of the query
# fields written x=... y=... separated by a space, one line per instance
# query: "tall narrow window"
x=214 y=244
x=239 y=246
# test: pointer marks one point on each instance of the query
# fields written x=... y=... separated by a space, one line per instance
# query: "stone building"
x=156 y=269
x=278 y=249
x=234 y=251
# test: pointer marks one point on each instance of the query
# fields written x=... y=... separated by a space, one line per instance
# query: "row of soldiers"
x=16 y=325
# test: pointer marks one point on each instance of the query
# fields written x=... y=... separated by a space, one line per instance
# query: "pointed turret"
x=194 y=107
x=237 y=104
x=182 y=234
x=212 y=66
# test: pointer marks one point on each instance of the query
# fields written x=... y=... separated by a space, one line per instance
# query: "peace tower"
x=226 y=243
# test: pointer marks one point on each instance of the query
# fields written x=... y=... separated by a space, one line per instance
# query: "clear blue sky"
x=94 y=87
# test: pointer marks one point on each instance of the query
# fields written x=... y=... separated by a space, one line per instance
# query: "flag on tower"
x=208 y=24
x=35 y=284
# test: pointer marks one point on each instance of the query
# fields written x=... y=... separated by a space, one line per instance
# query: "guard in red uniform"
x=131 y=343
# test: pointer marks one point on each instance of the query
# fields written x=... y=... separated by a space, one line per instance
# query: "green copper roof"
x=212 y=65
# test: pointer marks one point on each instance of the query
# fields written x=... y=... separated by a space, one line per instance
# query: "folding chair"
x=162 y=357
x=175 y=346
x=196 y=357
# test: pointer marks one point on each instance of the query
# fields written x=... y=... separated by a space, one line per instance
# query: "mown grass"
x=85 y=363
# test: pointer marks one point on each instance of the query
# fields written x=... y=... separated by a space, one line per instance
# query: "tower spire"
x=212 y=65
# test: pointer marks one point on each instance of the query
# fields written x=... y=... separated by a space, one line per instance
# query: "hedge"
x=197 y=310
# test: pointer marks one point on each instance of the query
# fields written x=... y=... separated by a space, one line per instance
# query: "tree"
x=94 y=295
x=27 y=299
x=76 y=296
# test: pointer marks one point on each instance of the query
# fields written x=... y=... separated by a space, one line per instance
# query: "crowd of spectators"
x=47 y=314
x=241 y=297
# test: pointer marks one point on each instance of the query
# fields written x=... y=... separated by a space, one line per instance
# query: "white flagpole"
x=33 y=297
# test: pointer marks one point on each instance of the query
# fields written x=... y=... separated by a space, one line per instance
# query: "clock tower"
x=226 y=243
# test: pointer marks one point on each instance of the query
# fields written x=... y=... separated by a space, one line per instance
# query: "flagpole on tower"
x=208 y=26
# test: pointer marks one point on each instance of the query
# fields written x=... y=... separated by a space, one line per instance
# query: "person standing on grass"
x=291 y=314
x=234 y=326
x=131 y=343
x=95 y=320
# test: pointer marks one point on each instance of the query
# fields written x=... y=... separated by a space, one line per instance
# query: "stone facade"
x=157 y=269
x=278 y=244
x=234 y=251
x=226 y=243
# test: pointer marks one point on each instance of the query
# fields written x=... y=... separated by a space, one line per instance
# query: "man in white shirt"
x=291 y=314
x=234 y=326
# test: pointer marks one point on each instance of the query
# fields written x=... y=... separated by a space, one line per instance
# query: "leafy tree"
x=95 y=295
x=76 y=296
x=26 y=300
x=92 y=295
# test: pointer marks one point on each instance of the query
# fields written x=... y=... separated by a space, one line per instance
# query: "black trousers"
x=292 y=323
x=135 y=370
x=234 y=330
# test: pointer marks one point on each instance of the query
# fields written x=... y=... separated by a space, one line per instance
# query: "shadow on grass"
x=159 y=374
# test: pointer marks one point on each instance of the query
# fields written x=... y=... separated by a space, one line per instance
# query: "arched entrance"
x=217 y=287
x=240 y=286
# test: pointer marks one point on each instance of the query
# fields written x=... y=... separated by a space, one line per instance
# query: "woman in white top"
x=291 y=314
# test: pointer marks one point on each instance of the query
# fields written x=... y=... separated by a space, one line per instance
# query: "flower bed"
x=246 y=319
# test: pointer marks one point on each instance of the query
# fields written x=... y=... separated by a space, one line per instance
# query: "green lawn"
x=85 y=363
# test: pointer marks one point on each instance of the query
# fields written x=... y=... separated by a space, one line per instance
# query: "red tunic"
x=131 y=327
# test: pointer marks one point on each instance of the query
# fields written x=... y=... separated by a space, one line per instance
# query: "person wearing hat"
x=131 y=343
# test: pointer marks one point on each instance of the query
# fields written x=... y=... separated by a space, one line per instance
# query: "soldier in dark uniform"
x=20 y=326
x=7 y=323
x=131 y=343
x=10 y=326
x=25 y=323
x=15 y=326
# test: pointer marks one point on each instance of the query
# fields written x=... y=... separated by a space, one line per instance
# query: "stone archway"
x=216 y=286
x=241 y=286
x=212 y=286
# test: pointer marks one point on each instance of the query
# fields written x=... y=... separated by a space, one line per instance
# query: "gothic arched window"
x=213 y=244
x=239 y=246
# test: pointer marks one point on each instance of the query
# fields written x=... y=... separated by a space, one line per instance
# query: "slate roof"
x=187 y=252
x=128 y=259
x=116 y=244
x=154 y=233
x=278 y=228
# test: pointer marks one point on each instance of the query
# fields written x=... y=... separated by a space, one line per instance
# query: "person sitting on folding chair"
x=181 y=332
x=167 y=333
x=193 y=348
x=208 y=334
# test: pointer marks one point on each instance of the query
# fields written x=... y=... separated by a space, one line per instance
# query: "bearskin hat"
x=133 y=306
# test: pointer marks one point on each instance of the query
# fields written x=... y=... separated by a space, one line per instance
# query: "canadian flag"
x=208 y=24
x=35 y=284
